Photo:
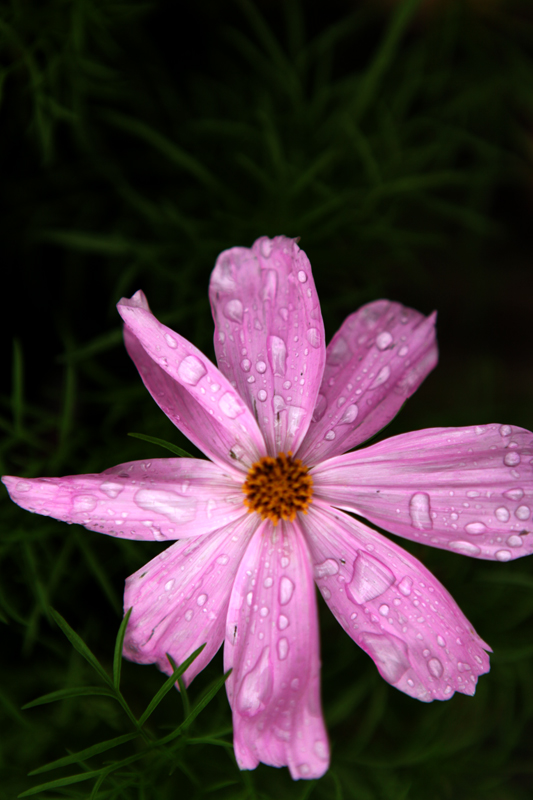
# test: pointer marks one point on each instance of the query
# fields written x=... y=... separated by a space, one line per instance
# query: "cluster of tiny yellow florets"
x=278 y=487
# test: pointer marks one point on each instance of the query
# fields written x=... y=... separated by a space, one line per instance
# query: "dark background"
x=138 y=140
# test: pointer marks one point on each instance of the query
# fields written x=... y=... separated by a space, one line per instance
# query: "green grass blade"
x=83 y=755
x=162 y=443
x=66 y=694
x=200 y=705
x=169 y=683
x=79 y=645
x=119 y=644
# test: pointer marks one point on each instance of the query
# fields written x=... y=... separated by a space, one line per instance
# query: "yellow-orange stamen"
x=278 y=487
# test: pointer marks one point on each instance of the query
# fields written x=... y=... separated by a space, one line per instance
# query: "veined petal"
x=269 y=335
x=180 y=598
x=169 y=498
x=469 y=490
x=377 y=359
x=272 y=647
x=191 y=391
x=394 y=608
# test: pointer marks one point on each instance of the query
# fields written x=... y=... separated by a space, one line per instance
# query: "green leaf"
x=169 y=683
x=66 y=694
x=119 y=644
x=89 y=752
x=161 y=442
x=79 y=645
x=204 y=700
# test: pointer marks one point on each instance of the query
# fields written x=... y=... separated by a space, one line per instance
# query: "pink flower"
x=257 y=524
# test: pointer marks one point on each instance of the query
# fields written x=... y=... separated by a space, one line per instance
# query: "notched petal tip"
x=137 y=300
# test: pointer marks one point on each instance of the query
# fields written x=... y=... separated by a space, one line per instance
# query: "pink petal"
x=269 y=335
x=394 y=608
x=377 y=359
x=169 y=498
x=272 y=647
x=192 y=392
x=180 y=598
x=469 y=490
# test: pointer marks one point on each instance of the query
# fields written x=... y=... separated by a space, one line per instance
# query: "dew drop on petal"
x=435 y=667
x=330 y=435
x=233 y=310
x=326 y=568
x=515 y=541
x=267 y=583
x=302 y=277
x=191 y=370
x=384 y=609
x=313 y=337
x=223 y=559
x=256 y=686
x=111 y=488
x=405 y=586
x=403 y=351
x=201 y=599
x=511 y=459
x=514 y=494
x=475 y=528
x=419 y=511
x=320 y=408
x=261 y=367
x=246 y=364
x=262 y=395
x=522 y=512
x=188 y=614
x=169 y=585
x=282 y=622
x=389 y=654
x=286 y=588
x=23 y=486
x=349 y=415
x=382 y=376
x=467 y=548
x=321 y=749
x=505 y=430
x=283 y=648
x=370 y=578
x=383 y=340
x=502 y=514
x=440 y=641
x=84 y=502
x=503 y=555
x=231 y=405
x=277 y=352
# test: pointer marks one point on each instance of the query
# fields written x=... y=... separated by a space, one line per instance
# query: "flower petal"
x=469 y=490
x=272 y=647
x=377 y=359
x=168 y=498
x=394 y=608
x=180 y=598
x=192 y=392
x=269 y=335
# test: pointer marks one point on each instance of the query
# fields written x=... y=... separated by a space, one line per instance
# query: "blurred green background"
x=138 y=140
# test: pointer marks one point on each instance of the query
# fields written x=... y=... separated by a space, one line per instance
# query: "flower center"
x=278 y=487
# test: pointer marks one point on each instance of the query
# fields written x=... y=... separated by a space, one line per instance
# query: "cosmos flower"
x=265 y=517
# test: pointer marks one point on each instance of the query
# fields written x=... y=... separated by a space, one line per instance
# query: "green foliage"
x=139 y=140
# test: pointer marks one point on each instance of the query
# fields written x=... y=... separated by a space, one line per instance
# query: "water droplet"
x=285 y=562
x=514 y=494
x=266 y=245
x=505 y=430
x=303 y=769
x=256 y=686
x=467 y=548
x=267 y=583
x=189 y=614
x=302 y=277
x=327 y=568
x=403 y=351
x=384 y=610
x=337 y=352
x=277 y=352
x=84 y=502
x=383 y=340
x=191 y=370
x=511 y=459
x=286 y=588
x=231 y=405
x=475 y=528
x=330 y=435
x=246 y=364
x=170 y=341
x=435 y=667
x=169 y=585
x=270 y=285
x=264 y=611
x=370 y=578
x=382 y=376
x=233 y=310
x=278 y=403
x=502 y=514
x=261 y=367
x=350 y=414
x=405 y=586
x=515 y=541
x=223 y=559
x=321 y=749
x=249 y=598
x=201 y=599
x=522 y=512
x=419 y=511
x=389 y=654
x=440 y=641
x=282 y=622
x=283 y=648
x=503 y=555
x=313 y=337
x=262 y=395
x=287 y=384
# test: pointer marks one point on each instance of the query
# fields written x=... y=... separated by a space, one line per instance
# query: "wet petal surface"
x=269 y=335
x=180 y=599
x=161 y=499
x=191 y=391
x=272 y=646
x=394 y=609
x=469 y=490
x=377 y=359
